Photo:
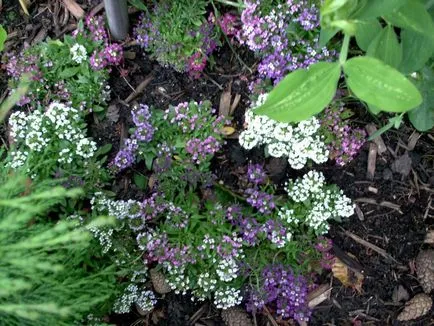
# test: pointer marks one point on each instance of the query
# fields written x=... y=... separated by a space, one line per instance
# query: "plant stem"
x=344 y=50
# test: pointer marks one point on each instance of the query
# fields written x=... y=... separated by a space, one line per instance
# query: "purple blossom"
x=98 y=60
x=96 y=27
x=200 y=149
x=228 y=24
x=152 y=206
x=284 y=291
x=126 y=156
x=249 y=230
x=262 y=201
x=141 y=115
x=113 y=53
x=256 y=174
x=144 y=132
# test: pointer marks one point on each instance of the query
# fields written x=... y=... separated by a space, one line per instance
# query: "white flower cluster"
x=227 y=270
x=299 y=143
x=206 y=285
x=59 y=125
x=144 y=299
x=227 y=297
x=104 y=236
x=79 y=53
x=120 y=209
x=324 y=202
x=177 y=278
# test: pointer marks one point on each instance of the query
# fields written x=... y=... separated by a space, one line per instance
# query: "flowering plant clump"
x=75 y=70
x=177 y=144
x=284 y=34
x=298 y=142
x=177 y=35
x=53 y=143
x=344 y=142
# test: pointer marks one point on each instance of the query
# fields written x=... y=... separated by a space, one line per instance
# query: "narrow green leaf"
x=138 y=4
x=413 y=16
x=386 y=47
x=376 y=8
x=69 y=72
x=417 y=50
x=3 y=36
x=302 y=93
x=380 y=85
x=366 y=31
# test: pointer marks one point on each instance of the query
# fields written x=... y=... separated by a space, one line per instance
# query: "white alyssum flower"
x=227 y=270
x=299 y=143
x=323 y=202
x=206 y=285
x=144 y=299
x=19 y=158
x=59 y=128
x=227 y=297
x=79 y=53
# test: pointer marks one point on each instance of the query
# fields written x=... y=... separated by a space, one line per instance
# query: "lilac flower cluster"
x=284 y=291
x=229 y=24
x=256 y=174
x=144 y=132
x=346 y=141
x=324 y=246
x=185 y=48
x=260 y=200
x=285 y=38
x=201 y=149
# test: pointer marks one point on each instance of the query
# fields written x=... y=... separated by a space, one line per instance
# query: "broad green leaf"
x=326 y=35
x=373 y=109
x=366 y=31
x=332 y=6
x=380 y=85
x=335 y=14
x=413 y=16
x=417 y=49
x=422 y=117
x=140 y=180
x=376 y=8
x=386 y=47
x=3 y=36
x=302 y=93
x=138 y=4
x=69 y=72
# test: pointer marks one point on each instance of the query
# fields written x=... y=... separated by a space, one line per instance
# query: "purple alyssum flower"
x=256 y=174
x=262 y=201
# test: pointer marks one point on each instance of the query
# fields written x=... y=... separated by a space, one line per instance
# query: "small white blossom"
x=79 y=53
x=227 y=297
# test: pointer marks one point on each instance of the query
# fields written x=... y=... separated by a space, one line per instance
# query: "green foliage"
x=3 y=36
x=422 y=117
x=380 y=85
x=44 y=279
x=386 y=47
x=375 y=78
x=302 y=93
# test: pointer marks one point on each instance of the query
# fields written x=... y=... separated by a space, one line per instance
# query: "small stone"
x=425 y=269
x=416 y=307
x=402 y=165
x=159 y=281
x=400 y=294
x=236 y=316
x=387 y=174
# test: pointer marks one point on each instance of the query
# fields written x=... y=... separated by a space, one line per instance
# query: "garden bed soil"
x=396 y=207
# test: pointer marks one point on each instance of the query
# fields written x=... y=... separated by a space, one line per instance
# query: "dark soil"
x=400 y=231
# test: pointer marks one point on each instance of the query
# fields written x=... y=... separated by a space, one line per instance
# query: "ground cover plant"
x=215 y=166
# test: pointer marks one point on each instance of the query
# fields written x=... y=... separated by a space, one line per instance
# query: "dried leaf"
x=416 y=307
x=24 y=5
x=74 y=8
x=159 y=281
x=113 y=113
x=225 y=103
x=400 y=294
x=227 y=130
x=236 y=316
x=319 y=295
x=348 y=277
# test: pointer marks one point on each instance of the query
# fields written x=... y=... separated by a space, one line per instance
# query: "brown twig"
x=372 y=161
x=383 y=203
x=371 y=246
x=270 y=317
x=136 y=92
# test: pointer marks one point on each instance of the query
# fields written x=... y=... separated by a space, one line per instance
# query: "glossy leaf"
x=380 y=85
x=302 y=93
x=3 y=36
x=386 y=47
x=376 y=8
x=412 y=16
x=417 y=49
x=366 y=31
x=422 y=117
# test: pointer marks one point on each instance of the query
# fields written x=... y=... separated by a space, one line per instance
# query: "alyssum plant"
x=379 y=77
